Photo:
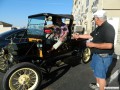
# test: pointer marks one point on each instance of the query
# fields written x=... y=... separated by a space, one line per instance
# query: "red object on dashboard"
x=48 y=31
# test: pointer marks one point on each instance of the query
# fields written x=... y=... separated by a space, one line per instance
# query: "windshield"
x=36 y=26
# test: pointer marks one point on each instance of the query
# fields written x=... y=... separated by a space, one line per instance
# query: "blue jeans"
x=100 y=65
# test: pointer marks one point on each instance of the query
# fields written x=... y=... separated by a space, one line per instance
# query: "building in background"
x=83 y=12
x=5 y=26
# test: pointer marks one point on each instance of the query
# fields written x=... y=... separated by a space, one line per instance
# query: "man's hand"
x=75 y=35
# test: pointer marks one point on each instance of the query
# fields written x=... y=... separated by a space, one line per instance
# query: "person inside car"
x=60 y=32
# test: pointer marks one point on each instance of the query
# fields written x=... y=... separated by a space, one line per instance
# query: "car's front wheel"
x=22 y=76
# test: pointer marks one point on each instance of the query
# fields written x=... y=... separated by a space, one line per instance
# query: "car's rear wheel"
x=22 y=76
x=86 y=55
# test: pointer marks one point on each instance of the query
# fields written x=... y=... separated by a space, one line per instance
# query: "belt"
x=103 y=55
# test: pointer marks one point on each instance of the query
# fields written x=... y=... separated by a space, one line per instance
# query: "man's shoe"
x=93 y=86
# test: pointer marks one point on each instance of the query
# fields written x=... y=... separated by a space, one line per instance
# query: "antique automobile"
x=23 y=62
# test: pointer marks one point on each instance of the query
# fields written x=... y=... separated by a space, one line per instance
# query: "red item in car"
x=48 y=31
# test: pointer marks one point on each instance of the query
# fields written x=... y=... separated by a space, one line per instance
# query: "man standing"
x=102 y=47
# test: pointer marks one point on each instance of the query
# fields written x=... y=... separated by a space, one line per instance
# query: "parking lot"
x=76 y=78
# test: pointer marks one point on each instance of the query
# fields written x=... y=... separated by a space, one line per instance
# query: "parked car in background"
x=17 y=36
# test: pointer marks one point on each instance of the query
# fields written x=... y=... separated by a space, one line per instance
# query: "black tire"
x=86 y=55
x=22 y=76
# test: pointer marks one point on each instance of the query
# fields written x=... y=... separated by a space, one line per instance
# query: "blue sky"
x=16 y=12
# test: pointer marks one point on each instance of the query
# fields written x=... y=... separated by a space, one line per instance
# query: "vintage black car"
x=24 y=62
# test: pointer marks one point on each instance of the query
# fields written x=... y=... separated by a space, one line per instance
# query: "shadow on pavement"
x=57 y=72
x=49 y=78
x=73 y=61
x=53 y=76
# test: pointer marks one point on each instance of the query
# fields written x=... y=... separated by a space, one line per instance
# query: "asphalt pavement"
x=77 y=77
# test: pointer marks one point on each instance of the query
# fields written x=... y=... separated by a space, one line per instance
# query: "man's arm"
x=84 y=36
x=63 y=36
